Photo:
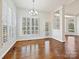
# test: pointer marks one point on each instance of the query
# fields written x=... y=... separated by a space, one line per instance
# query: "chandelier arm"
x=33 y=11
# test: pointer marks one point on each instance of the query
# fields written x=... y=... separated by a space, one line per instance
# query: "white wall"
x=58 y=34
x=77 y=25
x=43 y=17
x=6 y=4
x=0 y=22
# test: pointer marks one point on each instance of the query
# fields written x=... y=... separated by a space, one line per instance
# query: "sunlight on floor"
x=70 y=47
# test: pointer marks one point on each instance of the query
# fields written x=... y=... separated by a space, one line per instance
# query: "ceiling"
x=71 y=6
x=42 y=5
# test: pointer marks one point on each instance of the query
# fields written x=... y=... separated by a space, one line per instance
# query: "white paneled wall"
x=58 y=33
x=0 y=23
x=9 y=21
x=77 y=25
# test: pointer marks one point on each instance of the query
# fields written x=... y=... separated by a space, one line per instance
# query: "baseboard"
x=34 y=38
x=4 y=51
x=58 y=39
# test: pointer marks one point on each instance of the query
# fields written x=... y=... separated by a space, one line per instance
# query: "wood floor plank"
x=45 y=49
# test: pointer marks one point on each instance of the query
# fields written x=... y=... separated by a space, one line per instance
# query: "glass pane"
x=28 y=28
x=28 y=21
x=32 y=21
x=56 y=23
x=36 y=22
x=28 y=32
x=5 y=33
x=36 y=28
x=71 y=27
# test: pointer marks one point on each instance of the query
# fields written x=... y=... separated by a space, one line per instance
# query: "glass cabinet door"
x=71 y=25
x=30 y=25
x=46 y=28
x=24 y=25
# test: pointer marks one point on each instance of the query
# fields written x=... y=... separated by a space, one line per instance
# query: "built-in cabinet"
x=47 y=29
x=7 y=23
x=7 y=26
x=56 y=22
x=30 y=25
x=0 y=23
x=71 y=25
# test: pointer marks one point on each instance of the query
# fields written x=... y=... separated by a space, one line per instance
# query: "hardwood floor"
x=45 y=49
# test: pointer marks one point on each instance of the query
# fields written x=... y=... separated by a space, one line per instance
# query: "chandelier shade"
x=33 y=11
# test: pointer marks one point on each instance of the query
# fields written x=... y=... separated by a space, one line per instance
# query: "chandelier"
x=33 y=11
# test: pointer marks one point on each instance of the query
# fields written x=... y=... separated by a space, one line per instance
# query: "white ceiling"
x=42 y=5
x=72 y=8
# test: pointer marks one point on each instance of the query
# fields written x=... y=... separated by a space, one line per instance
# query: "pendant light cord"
x=33 y=12
x=33 y=3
